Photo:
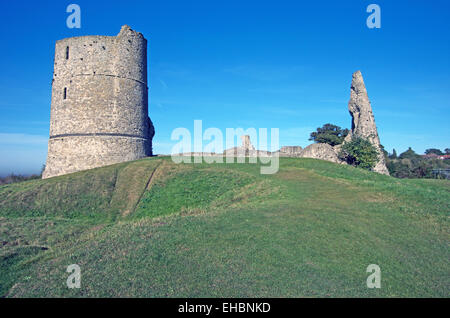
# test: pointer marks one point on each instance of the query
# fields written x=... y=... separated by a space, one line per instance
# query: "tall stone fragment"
x=363 y=122
x=247 y=149
x=246 y=143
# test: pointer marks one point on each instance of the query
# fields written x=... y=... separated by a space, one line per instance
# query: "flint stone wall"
x=99 y=110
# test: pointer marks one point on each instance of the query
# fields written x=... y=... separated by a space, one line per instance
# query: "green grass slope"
x=152 y=228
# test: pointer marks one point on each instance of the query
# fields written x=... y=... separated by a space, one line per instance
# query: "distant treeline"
x=13 y=178
x=409 y=164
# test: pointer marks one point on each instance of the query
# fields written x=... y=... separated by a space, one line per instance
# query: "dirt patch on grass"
x=97 y=227
x=131 y=184
x=291 y=173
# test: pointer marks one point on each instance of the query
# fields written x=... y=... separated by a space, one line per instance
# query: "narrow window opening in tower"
x=67 y=52
x=65 y=93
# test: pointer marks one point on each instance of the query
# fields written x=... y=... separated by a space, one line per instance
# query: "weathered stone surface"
x=246 y=149
x=363 y=121
x=99 y=109
x=320 y=151
x=290 y=151
x=246 y=143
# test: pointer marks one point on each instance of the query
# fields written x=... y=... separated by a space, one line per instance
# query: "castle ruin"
x=363 y=126
x=99 y=107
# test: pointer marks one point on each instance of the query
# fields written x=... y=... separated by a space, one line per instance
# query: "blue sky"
x=263 y=64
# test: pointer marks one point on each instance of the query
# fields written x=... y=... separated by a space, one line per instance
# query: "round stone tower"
x=99 y=110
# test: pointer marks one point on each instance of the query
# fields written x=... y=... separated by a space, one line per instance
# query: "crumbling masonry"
x=99 y=108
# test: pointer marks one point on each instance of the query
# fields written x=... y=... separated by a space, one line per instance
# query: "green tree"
x=447 y=151
x=409 y=154
x=434 y=151
x=359 y=152
x=399 y=170
x=414 y=166
x=422 y=169
x=329 y=134
x=394 y=154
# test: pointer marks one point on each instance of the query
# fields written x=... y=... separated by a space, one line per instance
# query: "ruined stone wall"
x=290 y=151
x=99 y=110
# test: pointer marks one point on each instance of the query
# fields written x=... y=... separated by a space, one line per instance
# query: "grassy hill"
x=151 y=228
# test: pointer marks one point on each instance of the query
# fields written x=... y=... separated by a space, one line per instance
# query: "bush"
x=359 y=152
